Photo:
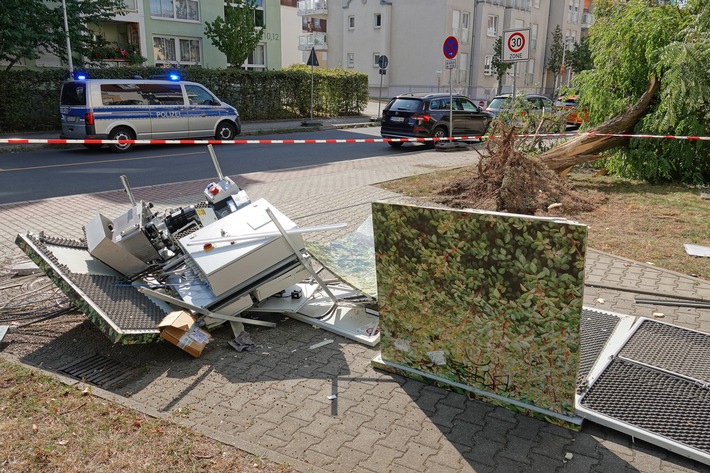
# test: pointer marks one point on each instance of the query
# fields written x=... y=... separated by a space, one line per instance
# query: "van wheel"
x=225 y=131
x=439 y=132
x=121 y=133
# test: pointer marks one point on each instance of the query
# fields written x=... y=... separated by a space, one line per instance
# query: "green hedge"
x=32 y=97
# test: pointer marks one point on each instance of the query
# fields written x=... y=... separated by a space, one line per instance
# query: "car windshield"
x=405 y=104
x=498 y=102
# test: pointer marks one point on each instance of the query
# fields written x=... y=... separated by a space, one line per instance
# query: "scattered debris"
x=332 y=396
x=242 y=342
x=600 y=300
x=327 y=341
x=569 y=456
x=659 y=314
x=697 y=250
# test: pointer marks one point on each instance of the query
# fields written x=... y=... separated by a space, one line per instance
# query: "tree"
x=29 y=28
x=580 y=57
x=235 y=34
x=497 y=65
x=554 y=60
x=649 y=77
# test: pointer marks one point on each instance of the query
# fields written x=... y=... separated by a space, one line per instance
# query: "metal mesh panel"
x=670 y=348
x=123 y=304
x=595 y=329
x=674 y=407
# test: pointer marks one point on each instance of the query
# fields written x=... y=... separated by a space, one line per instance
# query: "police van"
x=143 y=109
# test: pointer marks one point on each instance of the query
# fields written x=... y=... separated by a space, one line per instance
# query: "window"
x=157 y=94
x=259 y=15
x=492 y=25
x=197 y=95
x=174 y=50
x=488 y=66
x=351 y=60
x=530 y=76
x=533 y=36
x=465 y=26
x=376 y=60
x=351 y=22
x=463 y=67
x=177 y=9
x=378 y=20
x=257 y=58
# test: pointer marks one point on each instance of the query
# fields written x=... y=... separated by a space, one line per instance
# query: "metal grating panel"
x=595 y=329
x=670 y=348
x=127 y=308
x=98 y=370
x=667 y=405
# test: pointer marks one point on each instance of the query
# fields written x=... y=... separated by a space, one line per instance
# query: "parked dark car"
x=426 y=115
x=540 y=103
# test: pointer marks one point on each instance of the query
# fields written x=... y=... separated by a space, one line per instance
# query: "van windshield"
x=73 y=93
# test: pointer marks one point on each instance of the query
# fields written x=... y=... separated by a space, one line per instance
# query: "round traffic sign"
x=451 y=47
x=383 y=61
x=516 y=42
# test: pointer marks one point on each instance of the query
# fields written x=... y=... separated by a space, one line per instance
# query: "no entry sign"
x=515 y=45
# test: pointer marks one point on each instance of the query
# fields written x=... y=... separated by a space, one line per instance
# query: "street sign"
x=451 y=47
x=516 y=45
x=451 y=63
x=383 y=61
x=312 y=59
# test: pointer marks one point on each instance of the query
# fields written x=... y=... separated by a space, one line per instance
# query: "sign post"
x=451 y=48
x=383 y=62
x=312 y=61
x=515 y=49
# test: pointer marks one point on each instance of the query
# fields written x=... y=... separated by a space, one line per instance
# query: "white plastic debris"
x=331 y=397
x=569 y=456
x=323 y=343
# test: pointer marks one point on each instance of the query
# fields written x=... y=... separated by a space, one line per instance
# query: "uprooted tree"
x=650 y=76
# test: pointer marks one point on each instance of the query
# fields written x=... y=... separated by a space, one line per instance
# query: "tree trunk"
x=585 y=148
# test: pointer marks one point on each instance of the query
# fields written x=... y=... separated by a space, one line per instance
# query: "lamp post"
x=563 y=68
x=66 y=30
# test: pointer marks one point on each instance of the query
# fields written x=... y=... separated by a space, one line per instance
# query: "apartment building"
x=411 y=34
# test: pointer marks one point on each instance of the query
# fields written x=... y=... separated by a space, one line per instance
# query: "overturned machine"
x=215 y=260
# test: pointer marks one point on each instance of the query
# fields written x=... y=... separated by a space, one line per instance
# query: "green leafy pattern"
x=492 y=301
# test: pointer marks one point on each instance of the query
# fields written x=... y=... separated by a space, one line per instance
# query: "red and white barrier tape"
x=23 y=141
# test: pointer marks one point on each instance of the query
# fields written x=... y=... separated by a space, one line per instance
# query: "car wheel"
x=121 y=133
x=395 y=144
x=439 y=132
x=225 y=131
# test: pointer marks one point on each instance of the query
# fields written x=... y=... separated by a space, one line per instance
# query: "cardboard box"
x=178 y=328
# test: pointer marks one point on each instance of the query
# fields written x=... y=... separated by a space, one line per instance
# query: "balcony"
x=312 y=7
x=313 y=40
x=587 y=20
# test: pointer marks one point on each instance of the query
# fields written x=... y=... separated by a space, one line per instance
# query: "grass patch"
x=640 y=221
x=48 y=426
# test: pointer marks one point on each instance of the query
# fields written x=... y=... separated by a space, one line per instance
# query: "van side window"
x=122 y=94
x=196 y=95
x=73 y=93
x=163 y=94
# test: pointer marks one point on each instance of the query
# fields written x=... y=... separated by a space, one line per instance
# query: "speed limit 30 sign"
x=515 y=45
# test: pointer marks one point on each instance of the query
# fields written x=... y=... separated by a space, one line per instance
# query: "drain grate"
x=673 y=407
x=98 y=370
x=595 y=329
x=670 y=348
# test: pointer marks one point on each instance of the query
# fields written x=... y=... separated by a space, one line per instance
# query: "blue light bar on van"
x=174 y=77
x=79 y=75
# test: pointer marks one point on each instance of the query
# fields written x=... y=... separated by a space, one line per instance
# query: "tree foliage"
x=235 y=34
x=29 y=28
x=554 y=60
x=631 y=43
x=497 y=65
x=580 y=57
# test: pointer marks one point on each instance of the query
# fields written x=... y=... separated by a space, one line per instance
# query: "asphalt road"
x=56 y=172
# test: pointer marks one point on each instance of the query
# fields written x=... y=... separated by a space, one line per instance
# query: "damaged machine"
x=178 y=273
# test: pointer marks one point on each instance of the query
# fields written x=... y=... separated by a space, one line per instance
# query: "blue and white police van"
x=143 y=109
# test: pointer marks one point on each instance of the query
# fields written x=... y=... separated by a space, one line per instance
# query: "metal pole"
x=515 y=75
x=311 y=91
x=66 y=30
x=379 y=100
x=451 y=106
